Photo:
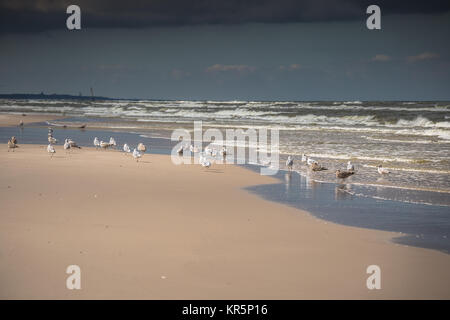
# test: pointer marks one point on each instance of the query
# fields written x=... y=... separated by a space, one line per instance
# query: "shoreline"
x=416 y=224
x=151 y=235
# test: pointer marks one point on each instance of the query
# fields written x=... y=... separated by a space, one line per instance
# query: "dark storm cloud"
x=41 y=15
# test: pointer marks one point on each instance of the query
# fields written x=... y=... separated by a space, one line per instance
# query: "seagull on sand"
x=289 y=163
x=66 y=144
x=51 y=150
x=126 y=148
x=72 y=143
x=141 y=147
x=12 y=143
x=304 y=158
x=96 y=142
x=382 y=170
x=204 y=162
x=343 y=174
x=136 y=154
x=350 y=166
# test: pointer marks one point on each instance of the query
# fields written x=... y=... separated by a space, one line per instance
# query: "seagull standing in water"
x=343 y=174
x=136 y=154
x=51 y=150
x=96 y=142
x=289 y=163
x=350 y=166
x=112 y=142
x=382 y=170
x=141 y=147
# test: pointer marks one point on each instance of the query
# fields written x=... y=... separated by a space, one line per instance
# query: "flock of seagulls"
x=209 y=151
x=341 y=174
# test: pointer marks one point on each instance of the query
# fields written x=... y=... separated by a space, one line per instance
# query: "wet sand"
x=153 y=230
x=7 y=120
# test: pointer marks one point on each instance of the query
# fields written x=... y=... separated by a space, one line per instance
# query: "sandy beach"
x=154 y=230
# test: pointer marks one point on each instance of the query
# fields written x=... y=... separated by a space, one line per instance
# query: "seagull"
x=304 y=158
x=289 y=162
x=73 y=144
x=204 y=162
x=343 y=174
x=310 y=161
x=126 y=148
x=13 y=140
x=208 y=150
x=66 y=144
x=52 y=140
x=136 y=154
x=382 y=170
x=223 y=152
x=12 y=144
x=51 y=150
x=104 y=144
x=141 y=147
x=350 y=166
x=96 y=142
x=315 y=166
x=112 y=142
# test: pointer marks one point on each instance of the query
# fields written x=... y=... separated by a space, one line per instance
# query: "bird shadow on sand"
x=213 y=171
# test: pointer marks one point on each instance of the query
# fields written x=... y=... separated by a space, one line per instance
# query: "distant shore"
x=153 y=230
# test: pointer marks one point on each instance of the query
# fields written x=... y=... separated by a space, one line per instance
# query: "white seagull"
x=66 y=144
x=204 y=162
x=126 y=148
x=141 y=147
x=52 y=140
x=310 y=161
x=350 y=166
x=304 y=158
x=96 y=142
x=382 y=170
x=51 y=150
x=104 y=144
x=136 y=154
x=112 y=142
x=289 y=162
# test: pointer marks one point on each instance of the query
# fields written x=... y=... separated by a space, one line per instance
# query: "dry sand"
x=153 y=230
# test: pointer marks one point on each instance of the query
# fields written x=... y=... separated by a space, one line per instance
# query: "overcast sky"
x=228 y=50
